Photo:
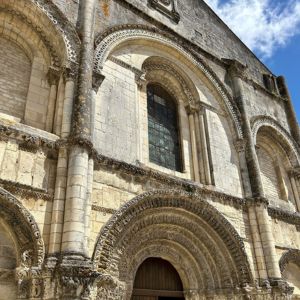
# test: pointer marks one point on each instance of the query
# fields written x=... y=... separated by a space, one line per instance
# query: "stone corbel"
x=235 y=68
x=97 y=81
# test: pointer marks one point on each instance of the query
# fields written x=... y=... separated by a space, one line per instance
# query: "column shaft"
x=194 y=147
x=51 y=108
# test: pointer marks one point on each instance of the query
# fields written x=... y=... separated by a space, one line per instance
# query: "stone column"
x=295 y=181
x=236 y=72
x=290 y=112
x=204 y=146
x=53 y=78
x=62 y=166
x=74 y=231
x=96 y=83
x=191 y=114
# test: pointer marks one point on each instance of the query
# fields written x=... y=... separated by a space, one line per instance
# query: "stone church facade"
x=145 y=154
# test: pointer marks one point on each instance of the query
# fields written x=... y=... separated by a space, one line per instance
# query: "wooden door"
x=157 y=279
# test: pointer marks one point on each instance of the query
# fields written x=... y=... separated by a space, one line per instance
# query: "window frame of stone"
x=158 y=91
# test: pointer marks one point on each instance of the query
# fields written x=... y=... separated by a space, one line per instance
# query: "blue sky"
x=271 y=29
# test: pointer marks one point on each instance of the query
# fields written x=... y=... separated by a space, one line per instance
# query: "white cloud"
x=262 y=25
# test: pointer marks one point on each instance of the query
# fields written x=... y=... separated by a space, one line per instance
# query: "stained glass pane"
x=164 y=147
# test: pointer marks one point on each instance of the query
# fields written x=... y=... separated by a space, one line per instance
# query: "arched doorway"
x=157 y=279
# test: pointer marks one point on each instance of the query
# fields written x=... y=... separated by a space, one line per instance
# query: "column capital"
x=70 y=71
x=193 y=108
x=257 y=201
x=53 y=75
x=97 y=80
x=240 y=145
x=235 y=68
x=140 y=79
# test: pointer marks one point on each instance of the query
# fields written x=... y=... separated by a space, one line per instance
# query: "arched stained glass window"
x=164 y=146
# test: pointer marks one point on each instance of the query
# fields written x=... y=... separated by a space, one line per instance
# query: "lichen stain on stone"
x=105 y=8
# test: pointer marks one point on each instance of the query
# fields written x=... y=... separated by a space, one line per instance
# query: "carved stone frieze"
x=284 y=215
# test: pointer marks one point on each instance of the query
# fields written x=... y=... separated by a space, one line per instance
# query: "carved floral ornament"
x=106 y=42
x=179 y=227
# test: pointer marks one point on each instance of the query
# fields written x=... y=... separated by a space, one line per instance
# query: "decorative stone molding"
x=281 y=134
x=25 y=191
x=104 y=210
x=113 y=240
x=161 y=64
x=145 y=174
x=23 y=224
x=107 y=41
x=291 y=256
x=167 y=8
x=284 y=215
x=63 y=26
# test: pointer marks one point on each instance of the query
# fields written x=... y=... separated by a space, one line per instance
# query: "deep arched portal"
x=157 y=279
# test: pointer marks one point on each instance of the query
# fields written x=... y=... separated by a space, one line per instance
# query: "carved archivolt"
x=180 y=227
x=157 y=64
x=106 y=42
x=291 y=256
x=65 y=30
x=276 y=131
x=22 y=223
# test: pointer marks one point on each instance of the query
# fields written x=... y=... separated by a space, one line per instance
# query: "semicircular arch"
x=119 y=35
x=204 y=240
x=279 y=134
x=61 y=38
x=24 y=226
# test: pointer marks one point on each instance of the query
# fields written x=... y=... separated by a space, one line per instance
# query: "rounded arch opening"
x=157 y=278
x=163 y=128
x=142 y=38
x=178 y=227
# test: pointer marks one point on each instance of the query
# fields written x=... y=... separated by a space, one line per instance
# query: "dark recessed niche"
x=167 y=8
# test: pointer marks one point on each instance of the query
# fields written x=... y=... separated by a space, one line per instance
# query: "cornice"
x=25 y=191
x=284 y=215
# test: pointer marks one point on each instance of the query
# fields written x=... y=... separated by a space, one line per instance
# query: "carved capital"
x=257 y=201
x=192 y=108
x=97 y=80
x=53 y=75
x=140 y=79
x=70 y=71
x=240 y=145
x=235 y=68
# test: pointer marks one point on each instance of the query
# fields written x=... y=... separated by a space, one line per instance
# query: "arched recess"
x=116 y=36
x=192 y=235
x=290 y=268
x=279 y=160
x=51 y=44
x=130 y=57
x=25 y=236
